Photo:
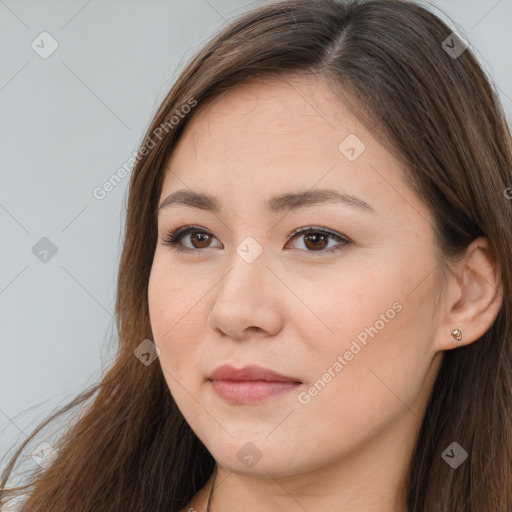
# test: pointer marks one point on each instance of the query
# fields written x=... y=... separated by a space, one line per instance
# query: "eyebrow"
x=276 y=204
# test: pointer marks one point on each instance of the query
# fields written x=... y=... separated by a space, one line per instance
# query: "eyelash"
x=172 y=238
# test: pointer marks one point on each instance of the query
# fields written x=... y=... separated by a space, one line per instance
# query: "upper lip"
x=247 y=373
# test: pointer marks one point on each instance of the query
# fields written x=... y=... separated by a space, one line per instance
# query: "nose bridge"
x=248 y=271
x=245 y=296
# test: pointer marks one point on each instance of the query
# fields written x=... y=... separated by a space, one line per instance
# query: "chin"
x=260 y=457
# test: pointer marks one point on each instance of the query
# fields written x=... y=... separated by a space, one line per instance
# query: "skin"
x=349 y=447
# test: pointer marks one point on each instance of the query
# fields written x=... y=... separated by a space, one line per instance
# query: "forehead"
x=290 y=115
x=272 y=135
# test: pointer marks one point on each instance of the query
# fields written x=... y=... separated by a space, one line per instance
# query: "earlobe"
x=478 y=291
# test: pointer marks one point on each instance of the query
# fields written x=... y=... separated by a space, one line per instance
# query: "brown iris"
x=203 y=239
x=315 y=237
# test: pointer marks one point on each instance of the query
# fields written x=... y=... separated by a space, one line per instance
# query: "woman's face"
x=354 y=322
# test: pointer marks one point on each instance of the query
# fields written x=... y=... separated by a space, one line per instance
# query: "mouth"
x=250 y=384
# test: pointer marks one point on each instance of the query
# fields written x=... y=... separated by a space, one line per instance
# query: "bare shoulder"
x=198 y=502
x=191 y=507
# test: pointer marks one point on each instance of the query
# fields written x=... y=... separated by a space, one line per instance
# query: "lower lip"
x=247 y=392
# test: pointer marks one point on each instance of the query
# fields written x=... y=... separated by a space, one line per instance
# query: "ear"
x=473 y=296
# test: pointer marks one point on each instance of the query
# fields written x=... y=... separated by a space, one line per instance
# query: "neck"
x=371 y=479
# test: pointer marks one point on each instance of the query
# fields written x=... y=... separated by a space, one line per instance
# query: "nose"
x=248 y=298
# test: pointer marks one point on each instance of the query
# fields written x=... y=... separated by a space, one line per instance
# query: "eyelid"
x=316 y=228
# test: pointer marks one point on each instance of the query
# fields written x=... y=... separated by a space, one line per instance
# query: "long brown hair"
x=131 y=449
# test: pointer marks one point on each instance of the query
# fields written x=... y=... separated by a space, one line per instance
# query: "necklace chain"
x=211 y=491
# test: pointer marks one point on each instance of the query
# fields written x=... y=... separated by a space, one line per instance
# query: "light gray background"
x=68 y=123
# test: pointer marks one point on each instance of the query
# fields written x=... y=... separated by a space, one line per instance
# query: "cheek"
x=174 y=321
x=338 y=310
x=172 y=300
x=371 y=387
x=369 y=340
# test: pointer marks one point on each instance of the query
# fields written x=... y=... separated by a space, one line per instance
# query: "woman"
x=252 y=374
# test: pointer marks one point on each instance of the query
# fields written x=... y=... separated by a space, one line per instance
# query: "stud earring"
x=457 y=334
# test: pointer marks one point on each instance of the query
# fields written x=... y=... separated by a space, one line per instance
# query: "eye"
x=198 y=235
x=314 y=238
x=318 y=239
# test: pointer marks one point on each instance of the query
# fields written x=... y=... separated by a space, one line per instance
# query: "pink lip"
x=250 y=384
